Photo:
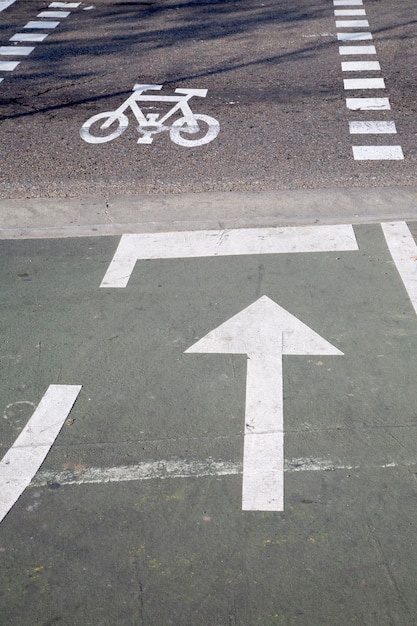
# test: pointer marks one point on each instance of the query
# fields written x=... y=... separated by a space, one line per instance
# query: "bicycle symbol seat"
x=191 y=129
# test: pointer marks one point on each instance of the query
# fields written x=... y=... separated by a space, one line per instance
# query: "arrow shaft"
x=263 y=455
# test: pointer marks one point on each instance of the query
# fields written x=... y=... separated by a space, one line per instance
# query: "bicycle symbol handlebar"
x=191 y=129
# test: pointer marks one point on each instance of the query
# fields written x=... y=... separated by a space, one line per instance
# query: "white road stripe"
x=41 y=25
x=347 y=3
x=403 y=250
x=165 y=469
x=8 y=66
x=55 y=14
x=24 y=458
x=376 y=128
x=352 y=24
x=349 y=12
x=360 y=50
x=364 y=83
x=29 y=37
x=64 y=5
x=360 y=66
x=377 y=153
x=239 y=241
x=18 y=51
x=353 y=36
x=368 y=104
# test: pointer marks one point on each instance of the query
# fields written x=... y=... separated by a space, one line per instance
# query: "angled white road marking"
x=403 y=250
x=24 y=458
x=203 y=243
x=263 y=331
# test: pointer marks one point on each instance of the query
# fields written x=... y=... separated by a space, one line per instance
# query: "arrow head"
x=264 y=328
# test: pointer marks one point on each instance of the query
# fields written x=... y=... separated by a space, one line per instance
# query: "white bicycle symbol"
x=207 y=128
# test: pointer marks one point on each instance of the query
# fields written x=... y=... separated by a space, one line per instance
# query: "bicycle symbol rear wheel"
x=181 y=130
x=112 y=118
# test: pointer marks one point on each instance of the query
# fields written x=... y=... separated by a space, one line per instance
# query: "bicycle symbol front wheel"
x=91 y=135
x=206 y=131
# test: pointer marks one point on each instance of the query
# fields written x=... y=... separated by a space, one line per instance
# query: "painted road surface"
x=128 y=97
x=136 y=514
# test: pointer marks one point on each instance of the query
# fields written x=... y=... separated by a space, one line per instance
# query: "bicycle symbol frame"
x=180 y=131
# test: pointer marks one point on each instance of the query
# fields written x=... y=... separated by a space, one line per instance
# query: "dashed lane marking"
x=44 y=23
x=364 y=153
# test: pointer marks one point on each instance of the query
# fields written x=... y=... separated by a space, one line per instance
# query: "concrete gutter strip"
x=89 y=216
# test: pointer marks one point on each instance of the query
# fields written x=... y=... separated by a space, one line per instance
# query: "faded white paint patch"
x=176 y=469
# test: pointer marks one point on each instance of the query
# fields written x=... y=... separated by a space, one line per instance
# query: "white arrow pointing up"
x=264 y=331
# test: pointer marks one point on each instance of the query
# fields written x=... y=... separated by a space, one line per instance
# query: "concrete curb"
x=89 y=216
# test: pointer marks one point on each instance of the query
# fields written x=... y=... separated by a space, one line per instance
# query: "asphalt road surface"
x=274 y=82
x=136 y=514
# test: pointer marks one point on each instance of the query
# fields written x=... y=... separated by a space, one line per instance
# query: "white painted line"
x=374 y=128
x=360 y=66
x=64 y=5
x=177 y=468
x=353 y=36
x=364 y=83
x=352 y=24
x=349 y=12
x=24 y=458
x=16 y=50
x=29 y=37
x=265 y=332
x=8 y=66
x=1 y=80
x=360 y=50
x=368 y=104
x=377 y=153
x=203 y=243
x=347 y=3
x=4 y=4
x=54 y=14
x=41 y=25
x=403 y=250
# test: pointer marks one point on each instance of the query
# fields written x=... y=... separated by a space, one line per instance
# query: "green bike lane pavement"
x=136 y=515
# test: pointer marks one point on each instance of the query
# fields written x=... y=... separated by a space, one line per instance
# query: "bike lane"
x=136 y=514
